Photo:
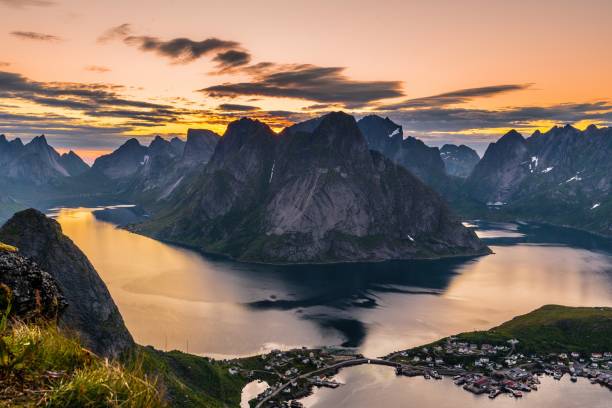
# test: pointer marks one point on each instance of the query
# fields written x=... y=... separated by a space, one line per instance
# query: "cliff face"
x=317 y=196
x=459 y=161
x=386 y=137
x=91 y=311
x=563 y=176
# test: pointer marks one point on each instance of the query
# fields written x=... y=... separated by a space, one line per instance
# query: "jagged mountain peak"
x=199 y=133
x=158 y=140
x=40 y=140
x=131 y=143
x=511 y=136
x=245 y=130
x=592 y=127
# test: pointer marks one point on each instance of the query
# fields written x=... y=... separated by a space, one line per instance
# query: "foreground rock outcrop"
x=311 y=194
x=31 y=291
x=91 y=312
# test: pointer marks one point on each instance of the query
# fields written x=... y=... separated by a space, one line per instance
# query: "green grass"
x=553 y=329
x=40 y=366
x=193 y=381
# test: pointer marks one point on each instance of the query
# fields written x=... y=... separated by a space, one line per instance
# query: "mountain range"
x=37 y=162
x=562 y=176
x=310 y=194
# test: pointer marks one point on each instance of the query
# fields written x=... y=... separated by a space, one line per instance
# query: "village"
x=477 y=368
x=496 y=369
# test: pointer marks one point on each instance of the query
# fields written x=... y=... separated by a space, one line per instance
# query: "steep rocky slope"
x=563 y=176
x=459 y=161
x=91 y=311
x=386 y=137
x=309 y=197
x=35 y=163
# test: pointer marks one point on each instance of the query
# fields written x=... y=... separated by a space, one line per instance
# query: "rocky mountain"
x=199 y=147
x=148 y=174
x=123 y=162
x=563 y=176
x=73 y=164
x=91 y=311
x=301 y=196
x=459 y=161
x=387 y=137
x=35 y=163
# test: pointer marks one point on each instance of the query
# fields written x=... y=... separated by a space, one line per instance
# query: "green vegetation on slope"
x=193 y=381
x=553 y=329
x=39 y=366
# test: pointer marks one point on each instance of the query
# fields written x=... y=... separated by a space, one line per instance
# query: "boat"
x=533 y=387
x=574 y=378
x=557 y=375
x=460 y=381
x=426 y=376
x=516 y=394
x=494 y=393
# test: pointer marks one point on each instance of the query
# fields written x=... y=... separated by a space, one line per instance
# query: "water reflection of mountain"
x=329 y=295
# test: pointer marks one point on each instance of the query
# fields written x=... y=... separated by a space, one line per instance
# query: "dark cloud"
x=231 y=59
x=27 y=3
x=319 y=107
x=115 y=33
x=98 y=100
x=97 y=68
x=455 y=97
x=308 y=82
x=180 y=50
x=237 y=108
x=31 y=35
x=441 y=120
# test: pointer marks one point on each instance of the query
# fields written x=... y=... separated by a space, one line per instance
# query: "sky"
x=90 y=74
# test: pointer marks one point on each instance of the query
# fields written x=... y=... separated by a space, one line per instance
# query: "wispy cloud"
x=97 y=68
x=456 y=97
x=27 y=3
x=4 y=64
x=227 y=61
x=116 y=33
x=237 y=108
x=95 y=100
x=31 y=35
x=307 y=82
x=445 y=120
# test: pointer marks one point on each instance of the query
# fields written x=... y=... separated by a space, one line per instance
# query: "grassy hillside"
x=553 y=328
x=193 y=381
x=39 y=366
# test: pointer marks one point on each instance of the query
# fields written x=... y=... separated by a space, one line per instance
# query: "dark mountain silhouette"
x=319 y=196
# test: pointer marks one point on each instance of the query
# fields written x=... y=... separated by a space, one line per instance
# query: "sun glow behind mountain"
x=88 y=75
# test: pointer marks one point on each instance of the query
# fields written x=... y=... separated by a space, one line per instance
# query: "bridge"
x=335 y=367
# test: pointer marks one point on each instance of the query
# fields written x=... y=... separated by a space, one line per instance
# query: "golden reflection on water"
x=174 y=298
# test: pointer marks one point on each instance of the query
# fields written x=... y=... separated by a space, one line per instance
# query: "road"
x=335 y=367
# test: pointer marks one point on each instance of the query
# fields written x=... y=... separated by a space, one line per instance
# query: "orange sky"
x=558 y=52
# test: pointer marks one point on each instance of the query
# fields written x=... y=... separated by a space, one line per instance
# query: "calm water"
x=174 y=298
x=376 y=386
